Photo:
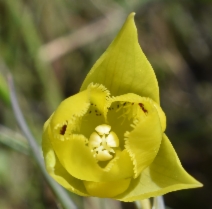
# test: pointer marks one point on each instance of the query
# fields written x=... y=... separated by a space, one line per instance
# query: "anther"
x=102 y=142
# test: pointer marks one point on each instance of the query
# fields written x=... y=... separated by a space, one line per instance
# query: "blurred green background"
x=49 y=47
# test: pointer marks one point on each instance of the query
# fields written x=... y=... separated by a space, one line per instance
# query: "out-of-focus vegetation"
x=49 y=46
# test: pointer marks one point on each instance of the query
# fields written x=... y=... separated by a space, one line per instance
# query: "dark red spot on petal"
x=63 y=129
x=142 y=107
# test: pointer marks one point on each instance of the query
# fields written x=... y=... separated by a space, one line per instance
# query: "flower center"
x=102 y=141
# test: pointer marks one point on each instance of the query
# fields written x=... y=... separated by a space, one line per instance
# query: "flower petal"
x=78 y=160
x=123 y=68
x=74 y=105
x=144 y=140
x=98 y=96
x=107 y=189
x=161 y=114
x=72 y=148
x=165 y=174
x=56 y=170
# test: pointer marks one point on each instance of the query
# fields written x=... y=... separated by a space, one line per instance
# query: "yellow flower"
x=108 y=140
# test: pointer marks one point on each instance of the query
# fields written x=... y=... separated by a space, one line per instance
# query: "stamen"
x=101 y=143
x=103 y=129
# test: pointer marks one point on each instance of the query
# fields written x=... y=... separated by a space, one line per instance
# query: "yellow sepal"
x=124 y=68
x=164 y=175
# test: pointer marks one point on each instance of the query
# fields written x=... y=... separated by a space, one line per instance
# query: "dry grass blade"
x=89 y=33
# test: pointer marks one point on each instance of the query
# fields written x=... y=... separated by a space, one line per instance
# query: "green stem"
x=158 y=203
x=56 y=188
x=143 y=204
